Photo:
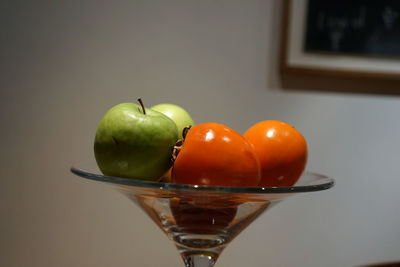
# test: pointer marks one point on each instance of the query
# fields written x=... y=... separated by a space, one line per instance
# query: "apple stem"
x=141 y=103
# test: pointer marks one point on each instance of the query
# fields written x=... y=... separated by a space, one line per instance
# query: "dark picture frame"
x=296 y=60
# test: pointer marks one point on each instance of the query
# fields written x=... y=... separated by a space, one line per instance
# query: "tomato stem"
x=141 y=103
x=185 y=131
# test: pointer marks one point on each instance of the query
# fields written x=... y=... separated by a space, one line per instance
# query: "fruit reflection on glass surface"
x=134 y=142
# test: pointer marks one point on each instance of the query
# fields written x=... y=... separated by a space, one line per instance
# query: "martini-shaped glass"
x=202 y=220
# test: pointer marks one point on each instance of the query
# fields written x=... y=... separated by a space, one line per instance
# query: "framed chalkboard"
x=348 y=38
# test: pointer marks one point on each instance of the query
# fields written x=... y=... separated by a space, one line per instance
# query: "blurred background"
x=65 y=63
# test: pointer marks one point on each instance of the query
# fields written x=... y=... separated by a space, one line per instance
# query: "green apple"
x=176 y=113
x=134 y=142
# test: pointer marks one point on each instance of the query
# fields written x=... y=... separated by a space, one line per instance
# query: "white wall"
x=64 y=64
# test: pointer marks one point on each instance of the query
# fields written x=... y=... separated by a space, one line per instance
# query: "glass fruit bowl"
x=202 y=220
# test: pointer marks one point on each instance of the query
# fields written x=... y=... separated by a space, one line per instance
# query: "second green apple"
x=176 y=113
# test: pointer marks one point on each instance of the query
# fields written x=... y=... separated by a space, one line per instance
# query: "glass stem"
x=199 y=260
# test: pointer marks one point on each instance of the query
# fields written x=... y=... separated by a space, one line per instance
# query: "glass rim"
x=317 y=182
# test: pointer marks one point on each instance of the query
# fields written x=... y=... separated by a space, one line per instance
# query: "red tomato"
x=281 y=150
x=213 y=154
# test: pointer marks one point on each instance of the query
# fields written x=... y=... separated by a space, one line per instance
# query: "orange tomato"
x=213 y=154
x=281 y=150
